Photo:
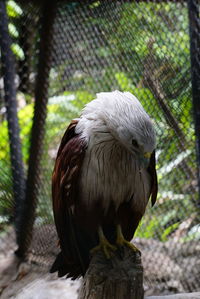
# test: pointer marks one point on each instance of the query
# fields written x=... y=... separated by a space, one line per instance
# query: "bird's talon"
x=106 y=247
x=131 y=246
x=121 y=241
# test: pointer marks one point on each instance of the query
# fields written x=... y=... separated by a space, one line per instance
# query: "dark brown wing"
x=130 y=218
x=154 y=183
x=64 y=189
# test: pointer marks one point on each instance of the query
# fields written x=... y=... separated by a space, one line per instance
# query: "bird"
x=103 y=178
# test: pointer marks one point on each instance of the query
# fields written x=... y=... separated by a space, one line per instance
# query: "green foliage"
x=13 y=9
x=14 y=12
x=141 y=39
x=17 y=50
x=60 y=113
x=144 y=94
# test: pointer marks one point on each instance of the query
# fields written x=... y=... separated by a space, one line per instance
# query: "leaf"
x=17 y=51
x=13 y=9
x=168 y=231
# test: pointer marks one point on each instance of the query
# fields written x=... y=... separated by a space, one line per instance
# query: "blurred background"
x=58 y=61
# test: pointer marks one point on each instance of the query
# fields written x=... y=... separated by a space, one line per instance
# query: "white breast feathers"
x=111 y=174
x=111 y=170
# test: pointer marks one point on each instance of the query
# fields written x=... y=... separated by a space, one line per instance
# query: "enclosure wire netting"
x=138 y=47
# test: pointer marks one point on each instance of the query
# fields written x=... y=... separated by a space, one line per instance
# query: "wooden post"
x=119 y=277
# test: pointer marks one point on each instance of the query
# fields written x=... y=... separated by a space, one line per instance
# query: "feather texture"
x=111 y=171
x=66 y=171
x=98 y=180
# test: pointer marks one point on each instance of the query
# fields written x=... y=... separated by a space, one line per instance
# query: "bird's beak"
x=144 y=159
x=147 y=155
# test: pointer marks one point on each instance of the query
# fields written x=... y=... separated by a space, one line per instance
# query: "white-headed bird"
x=103 y=178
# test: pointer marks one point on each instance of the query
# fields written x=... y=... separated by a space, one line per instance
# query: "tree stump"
x=119 y=277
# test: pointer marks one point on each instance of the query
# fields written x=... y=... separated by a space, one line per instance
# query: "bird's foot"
x=121 y=241
x=104 y=245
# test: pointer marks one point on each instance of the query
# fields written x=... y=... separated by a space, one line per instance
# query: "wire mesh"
x=136 y=46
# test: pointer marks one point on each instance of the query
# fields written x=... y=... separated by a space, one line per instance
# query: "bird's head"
x=123 y=116
x=138 y=136
x=129 y=123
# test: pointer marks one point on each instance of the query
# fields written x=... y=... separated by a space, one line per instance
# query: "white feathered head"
x=125 y=119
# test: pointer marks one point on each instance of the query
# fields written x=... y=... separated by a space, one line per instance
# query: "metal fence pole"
x=38 y=128
x=8 y=67
x=194 y=26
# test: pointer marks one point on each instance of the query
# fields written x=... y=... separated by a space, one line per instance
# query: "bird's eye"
x=134 y=143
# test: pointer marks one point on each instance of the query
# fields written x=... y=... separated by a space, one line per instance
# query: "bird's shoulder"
x=69 y=160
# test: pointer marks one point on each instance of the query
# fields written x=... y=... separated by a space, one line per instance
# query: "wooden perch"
x=116 y=278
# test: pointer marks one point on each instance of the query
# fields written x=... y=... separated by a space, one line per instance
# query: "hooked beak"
x=147 y=155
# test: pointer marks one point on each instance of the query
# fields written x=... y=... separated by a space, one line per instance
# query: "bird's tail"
x=63 y=267
x=73 y=260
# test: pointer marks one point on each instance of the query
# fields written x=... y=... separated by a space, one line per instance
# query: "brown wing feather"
x=64 y=183
x=130 y=218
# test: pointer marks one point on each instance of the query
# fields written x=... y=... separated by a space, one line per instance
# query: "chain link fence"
x=67 y=55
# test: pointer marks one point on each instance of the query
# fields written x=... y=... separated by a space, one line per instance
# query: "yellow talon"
x=104 y=245
x=122 y=242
